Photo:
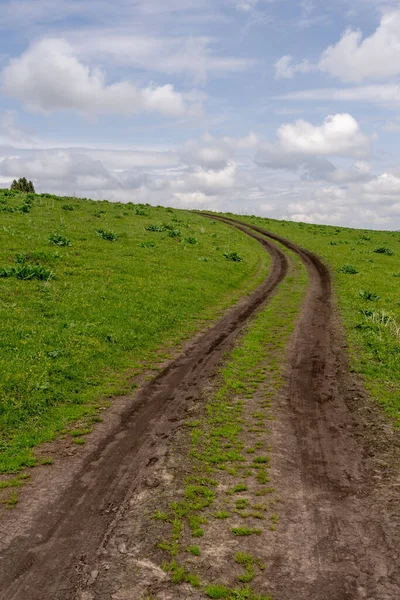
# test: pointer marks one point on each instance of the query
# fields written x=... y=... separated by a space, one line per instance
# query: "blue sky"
x=279 y=108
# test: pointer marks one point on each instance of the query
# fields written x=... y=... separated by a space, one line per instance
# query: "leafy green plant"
x=147 y=245
x=26 y=271
x=106 y=234
x=155 y=228
x=67 y=207
x=234 y=256
x=348 y=270
x=191 y=240
x=384 y=250
x=59 y=240
x=174 y=233
x=368 y=295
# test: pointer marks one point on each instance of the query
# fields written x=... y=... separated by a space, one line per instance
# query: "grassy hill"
x=92 y=293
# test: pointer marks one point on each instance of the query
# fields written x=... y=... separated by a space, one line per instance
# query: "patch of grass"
x=244 y=531
x=240 y=487
x=47 y=461
x=11 y=501
x=195 y=550
x=222 y=514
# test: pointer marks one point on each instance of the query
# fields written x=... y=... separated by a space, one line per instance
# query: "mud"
x=46 y=544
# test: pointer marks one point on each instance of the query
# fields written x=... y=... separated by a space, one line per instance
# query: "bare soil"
x=82 y=531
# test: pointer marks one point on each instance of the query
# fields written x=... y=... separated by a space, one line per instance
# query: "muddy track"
x=44 y=549
x=341 y=509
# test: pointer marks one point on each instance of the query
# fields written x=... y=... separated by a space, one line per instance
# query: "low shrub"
x=384 y=250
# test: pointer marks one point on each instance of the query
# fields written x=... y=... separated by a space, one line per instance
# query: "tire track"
x=340 y=539
x=44 y=552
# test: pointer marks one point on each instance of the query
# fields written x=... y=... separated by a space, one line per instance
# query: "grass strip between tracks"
x=227 y=501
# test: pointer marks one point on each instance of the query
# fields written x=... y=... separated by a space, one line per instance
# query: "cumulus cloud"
x=339 y=135
x=354 y=58
x=375 y=57
x=48 y=77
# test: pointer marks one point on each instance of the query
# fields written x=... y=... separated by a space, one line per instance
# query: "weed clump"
x=348 y=270
x=384 y=250
x=191 y=240
x=59 y=240
x=26 y=272
x=155 y=228
x=367 y=295
x=106 y=234
x=234 y=256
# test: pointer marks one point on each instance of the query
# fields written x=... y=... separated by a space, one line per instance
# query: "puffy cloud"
x=302 y=146
x=385 y=184
x=375 y=57
x=354 y=58
x=338 y=135
x=49 y=77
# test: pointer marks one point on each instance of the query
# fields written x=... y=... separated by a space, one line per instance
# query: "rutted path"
x=338 y=538
x=340 y=535
x=44 y=548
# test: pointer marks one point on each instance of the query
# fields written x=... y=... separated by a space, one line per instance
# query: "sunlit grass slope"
x=366 y=272
x=89 y=292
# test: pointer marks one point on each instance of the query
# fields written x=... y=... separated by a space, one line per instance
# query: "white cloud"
x=285 y=69
x=339 y=135
x=385 y=184
x=48 y=77
x=354 y=59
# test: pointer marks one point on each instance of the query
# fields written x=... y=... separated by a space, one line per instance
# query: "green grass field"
x=366 y=274
x=92 y=293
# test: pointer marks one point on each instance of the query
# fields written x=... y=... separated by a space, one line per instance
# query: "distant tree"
x=23 y=185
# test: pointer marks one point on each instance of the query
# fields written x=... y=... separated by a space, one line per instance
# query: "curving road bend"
x=44 y=548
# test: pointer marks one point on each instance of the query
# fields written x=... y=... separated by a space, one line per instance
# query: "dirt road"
x=339 y=538
x=45 y=542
